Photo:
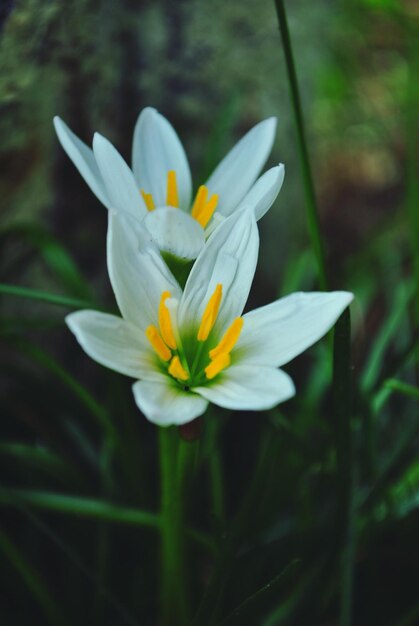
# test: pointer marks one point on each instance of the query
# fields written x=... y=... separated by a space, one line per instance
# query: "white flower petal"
x=176 y=232
x=229 y=257
x=119 y=180
x=84 y=160
x=265 y=190
x=137 y=271
x=156 y=150
x=276 y=333
x=249 y=388
x=237 y=172
x=114 y=343
x=164 y=403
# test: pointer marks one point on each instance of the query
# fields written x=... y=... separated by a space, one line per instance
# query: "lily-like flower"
x=158 y=190
x=187 y=348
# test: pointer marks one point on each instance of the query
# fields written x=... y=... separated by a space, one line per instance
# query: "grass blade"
x=345 y=462
x=310 y=196
x=44 y=296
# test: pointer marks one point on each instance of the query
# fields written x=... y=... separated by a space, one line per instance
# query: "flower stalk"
x=310 y=196
x=345 y=463
x=174 y=606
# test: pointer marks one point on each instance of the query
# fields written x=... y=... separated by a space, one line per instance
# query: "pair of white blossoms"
x=188 y=347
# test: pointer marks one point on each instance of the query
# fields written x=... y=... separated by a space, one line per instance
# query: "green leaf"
x=43 y=296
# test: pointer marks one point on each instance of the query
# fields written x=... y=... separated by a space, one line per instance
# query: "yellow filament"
x=210 y=314
x=222 y=361
x=200 y=201
x=172 y=195
x=165 y=322
x=148 y=199
x=207 y=212
x=158 y=344
x=229 y=339
x=177 y=370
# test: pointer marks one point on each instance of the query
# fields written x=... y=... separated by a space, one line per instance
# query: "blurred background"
x=71 y=437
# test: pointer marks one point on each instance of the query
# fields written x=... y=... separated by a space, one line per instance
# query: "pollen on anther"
x=210 y=314
x=208 y=211
x=177 y=370
x=158 y=344
x=203 y=209
x=165 y=322
x=217 y=365
x=148 y=199
x=172 y=198
x=229 y=339
x=200 y=201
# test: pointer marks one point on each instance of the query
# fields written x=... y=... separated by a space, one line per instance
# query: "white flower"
x=193 y=347
x=160 y=171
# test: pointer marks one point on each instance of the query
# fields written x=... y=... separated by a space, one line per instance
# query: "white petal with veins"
x=165 y=404
x=243 y=387
x=137 y=271
x=157 y=150
x=176 y=232
x=84 y=160
x=265 y=191
x=113 y=342
x=237 y=172
x=119 y=180
x=276 y=333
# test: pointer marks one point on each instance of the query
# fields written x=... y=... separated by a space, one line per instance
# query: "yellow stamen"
x=148 y=199
x=165 y=322
x=229 y=339
x=210 y=314
x=208 y=210
x=222 y=361
x=172 y=195
x=158 y=344
x=200 y=201
x=177 y=370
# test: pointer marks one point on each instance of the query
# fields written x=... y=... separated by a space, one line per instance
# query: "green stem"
x=217 y=490
x=345 y=462
x=215 y=467
x=310 y=197
x=173 y=588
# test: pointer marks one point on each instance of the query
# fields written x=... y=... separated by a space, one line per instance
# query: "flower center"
x=208 y=360
x=202 y=209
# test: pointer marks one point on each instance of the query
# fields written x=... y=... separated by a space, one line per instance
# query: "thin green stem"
x=173 y=589
x=345 y=463
x=309 y=193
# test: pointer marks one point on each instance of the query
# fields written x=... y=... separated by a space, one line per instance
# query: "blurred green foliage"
x=307 y=515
